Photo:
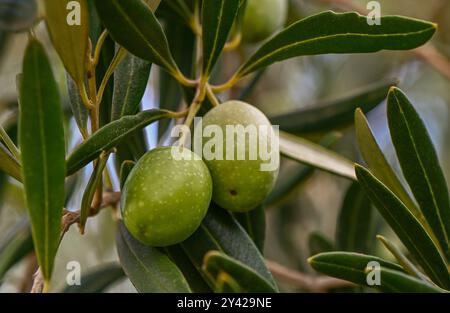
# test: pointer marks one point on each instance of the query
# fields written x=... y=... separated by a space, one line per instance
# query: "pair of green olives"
x=165 y=199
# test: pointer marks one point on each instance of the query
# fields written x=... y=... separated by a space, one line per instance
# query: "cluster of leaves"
x=108 y=59
x=422 y=224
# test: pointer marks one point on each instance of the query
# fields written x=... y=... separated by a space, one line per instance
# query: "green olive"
x=239 y=184
x=165 y=198
x=263 y=18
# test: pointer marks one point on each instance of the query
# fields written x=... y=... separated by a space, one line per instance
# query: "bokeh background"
x=312 y=206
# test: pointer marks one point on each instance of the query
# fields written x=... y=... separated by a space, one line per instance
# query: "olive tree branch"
x=319 y=284
x=110 y=198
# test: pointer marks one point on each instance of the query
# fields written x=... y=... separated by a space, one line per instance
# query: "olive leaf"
x=420 y=165
x=330 y=114
x=219 y=231
x=97 y=279
x=130 y=82
x=217 y=20
x=354 y=267
x=254 y=223
x=110 y=136
x=41 y=138
x=312 y=154
x=215 y=263
x=378 y=164
x=134 y=26
x=15 y=245
x=353 y=230
x=89 y=192
x=182 y=44
x=178 y=9
x=105 y=71
x=319 y=243
x=289 y=180
x=406 y=226
x=70 y=39
x=80 y=113
x=407 y=265
x=330 y=32
x=17 y=15
x=9 y=164
x=149 y=269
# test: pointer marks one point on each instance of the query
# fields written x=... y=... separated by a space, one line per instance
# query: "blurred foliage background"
x=304 y=221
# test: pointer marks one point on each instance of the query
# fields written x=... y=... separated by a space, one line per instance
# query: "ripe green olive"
x=239 y=184
x=165 y=198
x=263 y=18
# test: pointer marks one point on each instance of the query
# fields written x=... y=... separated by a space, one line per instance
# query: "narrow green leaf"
x=107 y=57
x=353 y=267
x=15 y=245
x=130 y=81
x=41 y=138
x=348 y=265
x=182 y=44
x=318 y=243
x=69 y=35
x=89 y=192
x=134 y=26
x=312 y=154
x=254 y=223
x=79 y=111
x=378 y=164
x=394 y=281
x=331 y=114
x=17 y=15
x=420 y=165
x=178 y=9
x=217 y=20
x=330 y=32
x=220 y=231
x=9 y=164
x=248 y=280
x=148 y=268
x=401 y=258
x=192 y=272
x=109 y=136
x=98 y=279
x=406 y=226
x=354 y=221
x=290 y=179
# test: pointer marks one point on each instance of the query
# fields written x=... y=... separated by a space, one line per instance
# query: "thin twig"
x=304 y=281
x=69 y=218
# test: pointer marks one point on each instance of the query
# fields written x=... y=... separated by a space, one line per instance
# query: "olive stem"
x=233 y=43
x=99 y=46
x=211 y=96
x=226 y=86
x=118 y=58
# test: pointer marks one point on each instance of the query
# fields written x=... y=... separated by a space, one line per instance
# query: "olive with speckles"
x=166 y=196
x=240 y=182
x=263 y=18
